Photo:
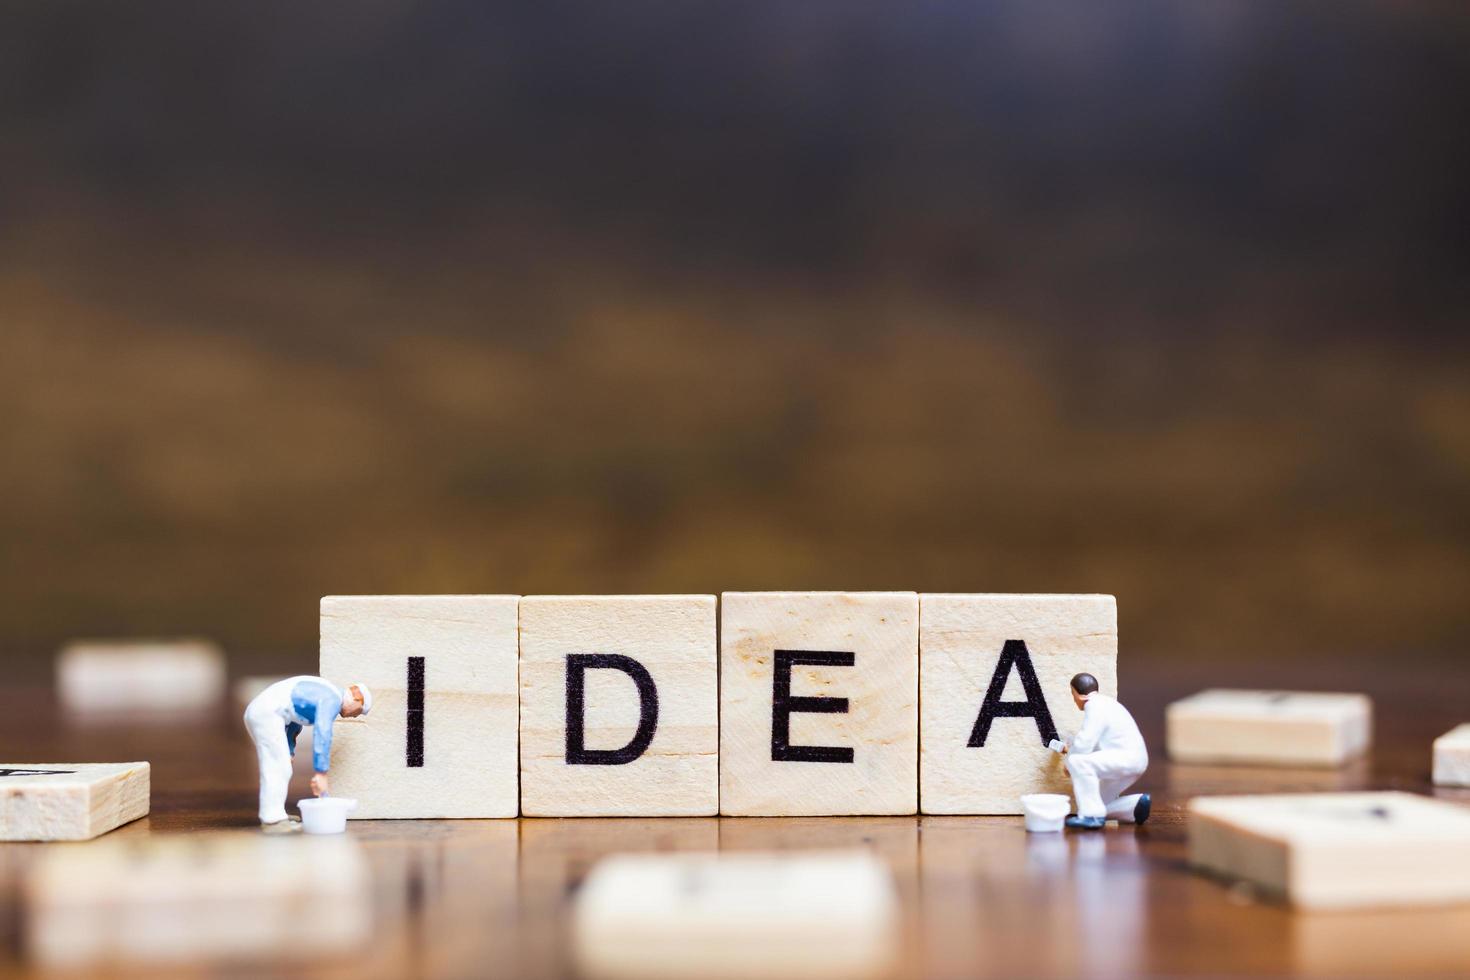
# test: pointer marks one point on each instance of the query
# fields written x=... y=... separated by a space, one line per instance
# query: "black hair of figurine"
x=1084 y=684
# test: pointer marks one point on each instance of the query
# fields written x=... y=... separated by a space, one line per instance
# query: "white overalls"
x=1105 y=758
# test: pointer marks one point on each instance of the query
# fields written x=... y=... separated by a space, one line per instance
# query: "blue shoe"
x=1085 y=823
x=1141 y=811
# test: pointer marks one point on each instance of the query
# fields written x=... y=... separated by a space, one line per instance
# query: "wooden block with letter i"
x=995 y=681
x=619 y=712
x=70 y=801
x=441 y=738
x=1269 y=728
x=819 y=703
x=1337 y=850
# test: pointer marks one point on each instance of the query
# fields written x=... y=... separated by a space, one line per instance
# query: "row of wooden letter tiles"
x=767 y=704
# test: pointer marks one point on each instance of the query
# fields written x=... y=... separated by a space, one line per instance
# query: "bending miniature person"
x=276 y=717
x=1105 y=758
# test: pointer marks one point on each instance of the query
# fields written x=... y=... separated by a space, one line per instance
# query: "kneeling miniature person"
x=1105 y=757
x=276 y=717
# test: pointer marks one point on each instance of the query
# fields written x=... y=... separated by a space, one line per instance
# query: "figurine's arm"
x=1091 y=731
x=292 y=731
x=321 y=736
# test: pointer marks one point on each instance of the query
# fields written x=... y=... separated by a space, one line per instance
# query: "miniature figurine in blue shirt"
x=275 y=718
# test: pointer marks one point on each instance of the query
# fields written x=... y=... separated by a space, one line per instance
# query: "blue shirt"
x=314 y=702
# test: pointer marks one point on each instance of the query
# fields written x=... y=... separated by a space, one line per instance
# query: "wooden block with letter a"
x=441 y=738
x=70 y=801
x=819 y=703
x=995 y=682
x=793 y=915
x=619 y=716
x=1269 y=728
x=1337 y=850
x=1452 y=757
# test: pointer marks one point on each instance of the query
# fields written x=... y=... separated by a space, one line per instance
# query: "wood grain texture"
x=1337 y=850
x=467 y=646
x=70 y=801
x=671 y=640
x=768 y=644
x=1280 y=728
x=962 y=640
x=979 y=897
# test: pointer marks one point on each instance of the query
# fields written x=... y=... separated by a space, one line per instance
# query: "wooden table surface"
x=980 y=896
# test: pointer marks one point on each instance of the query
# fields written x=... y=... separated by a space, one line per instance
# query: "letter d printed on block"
x=618 y=706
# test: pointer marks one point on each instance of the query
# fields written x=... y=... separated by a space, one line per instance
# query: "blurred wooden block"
x=1269 y=728
x=198 y=896
x=441 y=738
x=1337 y=850
x=819 y=703
x=619 y=710
x=152 y=677
x=995 y=680
x=70 y=801
x=791 y=915
x=1452 y=757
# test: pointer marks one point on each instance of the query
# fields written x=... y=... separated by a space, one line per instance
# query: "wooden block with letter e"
x=441 y=738
x=619 y=711
x=70 y=801
x=1269 y=728
x=1452 y=757
x=1337 y=850
x=790 y=915
x=819 y=703
x=995 y=685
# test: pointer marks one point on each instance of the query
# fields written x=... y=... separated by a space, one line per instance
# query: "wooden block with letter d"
x=995 y=682
x=1337 y=850
x=819 y=703
x=619 y=716
x=441 y=738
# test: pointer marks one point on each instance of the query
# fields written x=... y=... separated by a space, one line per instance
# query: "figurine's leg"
x=1124 y=809
x=1085 y=786
x=275 y=768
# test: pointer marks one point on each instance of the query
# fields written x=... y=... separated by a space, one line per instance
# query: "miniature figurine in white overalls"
x=276 y=717
x=1105 y=757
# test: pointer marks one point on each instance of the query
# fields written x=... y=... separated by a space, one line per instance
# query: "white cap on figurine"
x=364 y=695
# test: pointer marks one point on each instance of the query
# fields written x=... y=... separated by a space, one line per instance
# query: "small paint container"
x=328 y=814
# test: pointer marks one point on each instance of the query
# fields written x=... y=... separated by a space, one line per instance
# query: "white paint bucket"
x=328 y=814
x=1045 y=811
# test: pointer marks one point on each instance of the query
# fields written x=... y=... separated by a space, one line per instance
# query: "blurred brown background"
x=1164 y=300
